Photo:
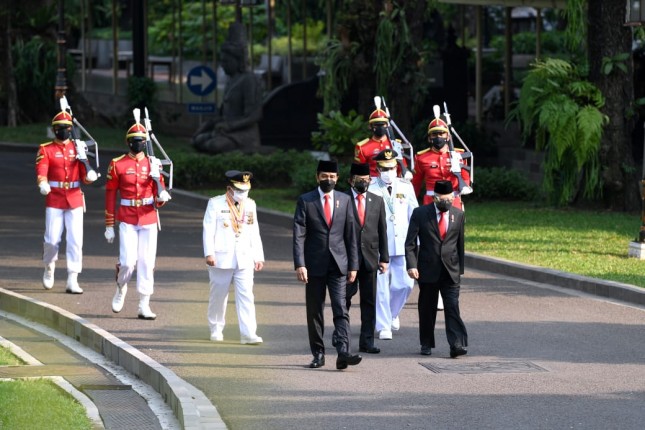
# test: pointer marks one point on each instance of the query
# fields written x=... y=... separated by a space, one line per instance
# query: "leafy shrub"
x=499 y=183
x=339 y=133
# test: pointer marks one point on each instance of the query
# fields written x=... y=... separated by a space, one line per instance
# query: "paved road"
x=540 y=357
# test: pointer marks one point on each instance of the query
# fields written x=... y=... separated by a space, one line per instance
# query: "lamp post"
x=61 y=81
x=635 y=16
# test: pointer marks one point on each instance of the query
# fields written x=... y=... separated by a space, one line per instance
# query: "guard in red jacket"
x=59 y=173
x=434 y=164
x=140 y=184
x=367 y=149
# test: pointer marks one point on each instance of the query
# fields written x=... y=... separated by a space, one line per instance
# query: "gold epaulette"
x=119 y=157
x=423 y=151
x=46 y=143
x=363 y=142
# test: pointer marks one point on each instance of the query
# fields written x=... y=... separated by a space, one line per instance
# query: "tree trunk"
x=7 y=77
x=608 y=37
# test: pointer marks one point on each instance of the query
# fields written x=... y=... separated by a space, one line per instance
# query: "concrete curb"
x=191 y=407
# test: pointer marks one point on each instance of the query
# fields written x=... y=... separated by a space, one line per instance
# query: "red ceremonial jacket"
x=432 y=166
x=56 y=162
x=130 y=176
x=367 y=149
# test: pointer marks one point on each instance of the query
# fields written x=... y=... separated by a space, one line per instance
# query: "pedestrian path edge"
x=192 y=408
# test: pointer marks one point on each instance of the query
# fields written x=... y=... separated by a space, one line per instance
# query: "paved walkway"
x=540 y=356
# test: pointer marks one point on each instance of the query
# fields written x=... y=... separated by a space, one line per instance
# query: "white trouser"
x=392 y=291
x=137 y=250
x=72 y=221
x=220 y=281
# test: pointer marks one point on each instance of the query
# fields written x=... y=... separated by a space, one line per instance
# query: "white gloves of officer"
x=81 y=150
x=44 y=188
x=455 y=162
x=155 y=167
x=91 y=176
x=109 y=234
x=164 y=196
x=408 y=175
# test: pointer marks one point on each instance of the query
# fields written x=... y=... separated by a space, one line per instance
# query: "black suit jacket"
x=315 y=243
x=372 y=236
x=432 y=253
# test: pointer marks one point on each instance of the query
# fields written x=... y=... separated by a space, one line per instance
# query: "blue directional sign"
x=201 y=108
x=201 y=80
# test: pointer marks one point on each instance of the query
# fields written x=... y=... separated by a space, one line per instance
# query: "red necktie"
x=443 y=225
x=327 y=210
x=361 y=208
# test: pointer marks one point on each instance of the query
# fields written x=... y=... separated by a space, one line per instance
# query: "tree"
x=612 y=72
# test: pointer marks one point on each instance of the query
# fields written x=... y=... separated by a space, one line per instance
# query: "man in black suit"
x=373 y=255
x=325 y=256
x=439 y=228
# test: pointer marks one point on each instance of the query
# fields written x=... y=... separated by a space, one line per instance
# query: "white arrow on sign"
x=203 y=80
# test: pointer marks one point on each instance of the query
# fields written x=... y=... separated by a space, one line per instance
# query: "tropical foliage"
x=562 y=111
x=339 y=133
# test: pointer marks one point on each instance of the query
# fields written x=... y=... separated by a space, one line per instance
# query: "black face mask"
x=137 y=146
x=361 y=186
x=326 y=185
x=438 y=142
x=379 y=131
x=443 y=205
x=61 y=133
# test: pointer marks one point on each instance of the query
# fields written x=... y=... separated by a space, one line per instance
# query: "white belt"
x=431 y=193
x=65 y=185
x=137 y=202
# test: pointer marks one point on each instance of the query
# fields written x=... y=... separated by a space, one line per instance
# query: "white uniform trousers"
x=137 y=250
x=392 y=291
x=220 y=281
x=72 y=221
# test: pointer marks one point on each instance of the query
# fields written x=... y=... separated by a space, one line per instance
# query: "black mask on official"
x=361 y=186
x=379 y=130
x=443 y=205
x=438 y=142
x=136 y=146
x=62 y=133
x=326 y=185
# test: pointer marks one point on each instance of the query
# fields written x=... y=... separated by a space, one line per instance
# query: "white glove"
x=455 y=162
x=408 y=175
x=155 y=167
x=164 y=196
x=109 y=234
x=91 y=176
x=81 y=150
x=44 y=188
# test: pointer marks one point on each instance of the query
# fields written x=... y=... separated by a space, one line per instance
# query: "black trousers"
x=428 y=296
x=315 y=293
x=365 y=285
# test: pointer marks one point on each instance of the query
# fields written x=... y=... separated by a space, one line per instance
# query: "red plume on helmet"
x=62 y=118
x=137 y=130
x=379 y=115
x=437 y=124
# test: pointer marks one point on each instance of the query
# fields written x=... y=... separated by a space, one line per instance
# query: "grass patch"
x=108 y=137
x=8 y=359
x=39 y=404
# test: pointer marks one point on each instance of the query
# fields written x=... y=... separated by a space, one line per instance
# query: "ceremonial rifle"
x=455 y=157
x=151 y=141
x=82 y=146
x=396 y=144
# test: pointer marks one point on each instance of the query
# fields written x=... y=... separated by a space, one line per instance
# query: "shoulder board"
x=118 y=158
x=46 y=143
x=423 y=151
x=459 y=150
x=398 y=140
x=362 y=142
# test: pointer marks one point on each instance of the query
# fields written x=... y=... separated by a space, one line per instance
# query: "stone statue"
x=236 y=125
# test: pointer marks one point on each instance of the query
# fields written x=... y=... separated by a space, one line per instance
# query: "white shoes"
x=145 y=313
x=48 y=276
x=385 y=335
x=251 y=340
x=396 y=324
x=72 y=283
x=440 y=303
x=217 y=337
x=119 y=298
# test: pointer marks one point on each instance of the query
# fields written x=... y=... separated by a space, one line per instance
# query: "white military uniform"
x=236 y=247
x=394 y=286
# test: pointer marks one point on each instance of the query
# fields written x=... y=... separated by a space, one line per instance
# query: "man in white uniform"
x=233 y=250
x=394 y=286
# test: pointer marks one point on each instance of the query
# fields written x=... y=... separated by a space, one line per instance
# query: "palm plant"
x=561 y=109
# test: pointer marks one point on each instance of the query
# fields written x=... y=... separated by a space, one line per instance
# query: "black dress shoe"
x=426 y=350
x=318 y=361
x=344 y=359
x=456 y=351
x=370 y=349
